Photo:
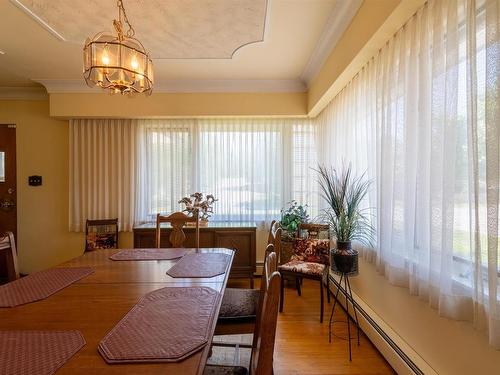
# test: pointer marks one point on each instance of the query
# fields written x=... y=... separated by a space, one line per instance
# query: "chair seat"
x=302 y=267
x=224 y=370
x=239 y=304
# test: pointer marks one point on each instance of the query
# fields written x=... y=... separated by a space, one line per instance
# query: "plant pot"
x=288 y=235
x=344 y=260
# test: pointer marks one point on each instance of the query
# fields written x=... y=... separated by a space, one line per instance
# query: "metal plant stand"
x=348 y=297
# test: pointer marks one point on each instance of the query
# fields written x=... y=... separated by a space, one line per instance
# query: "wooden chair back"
x=270 y=235
x=101 y=234
x=274 y=238
x=265 y=329
x=270 y=265
x=313 y=230
x=8 y=244
x=177 y=220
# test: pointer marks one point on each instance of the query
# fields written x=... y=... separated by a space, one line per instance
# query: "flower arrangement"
x=196 y=202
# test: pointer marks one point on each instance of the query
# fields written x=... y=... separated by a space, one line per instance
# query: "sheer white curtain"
x=302 y=162
x=164 y=164
x=422 y=119
x=102 y=171
x=134 y=169
x=240 y=162
x=253 y=166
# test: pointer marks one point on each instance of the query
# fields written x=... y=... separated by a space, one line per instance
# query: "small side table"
x=348 y=298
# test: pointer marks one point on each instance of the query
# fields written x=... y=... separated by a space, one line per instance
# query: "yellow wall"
x=42 y=149
x=448 y=346
x=375 y=22
x=179 y=105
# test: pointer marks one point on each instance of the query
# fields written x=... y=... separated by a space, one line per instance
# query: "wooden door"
x=8 y=191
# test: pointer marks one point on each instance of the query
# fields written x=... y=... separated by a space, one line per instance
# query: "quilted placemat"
x=200 y=265
x=37 y=352
x=167 y=325
x=40 y=285
x=149 y=254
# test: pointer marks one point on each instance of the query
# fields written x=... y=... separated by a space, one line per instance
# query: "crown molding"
x=187 y=86
x=23 y=93
x=337 y=23
x=37 y=19
x=232 y=85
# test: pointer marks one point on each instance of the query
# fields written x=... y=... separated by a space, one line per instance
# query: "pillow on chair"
x=311 y=250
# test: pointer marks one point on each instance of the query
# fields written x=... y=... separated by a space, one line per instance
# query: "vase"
x=201 y=223
x=344 y=259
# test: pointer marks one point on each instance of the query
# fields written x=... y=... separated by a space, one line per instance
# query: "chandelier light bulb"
x=105 y=59
x=134 y=63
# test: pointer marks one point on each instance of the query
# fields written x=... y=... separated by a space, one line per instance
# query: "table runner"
x=40 y=285
x=37 y=352
x=200 y=265
x=149 y=254
x=167 y=325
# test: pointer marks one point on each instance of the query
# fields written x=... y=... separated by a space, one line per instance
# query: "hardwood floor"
x=302 y=346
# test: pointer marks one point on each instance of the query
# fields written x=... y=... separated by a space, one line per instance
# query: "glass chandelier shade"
x=119 y=62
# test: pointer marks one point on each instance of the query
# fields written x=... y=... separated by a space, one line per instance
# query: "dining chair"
x=101 y=234
x=177 y=220
x=8 y=246
x=310 y=260
x=239 y=306
x=274 y=237
x=262 y=349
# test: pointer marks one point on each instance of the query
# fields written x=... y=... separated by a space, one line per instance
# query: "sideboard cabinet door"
x=243 y=242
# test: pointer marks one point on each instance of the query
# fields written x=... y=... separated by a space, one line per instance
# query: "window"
x=304 y=164
x=164 y=160
x=253 y=166
x=432 y=135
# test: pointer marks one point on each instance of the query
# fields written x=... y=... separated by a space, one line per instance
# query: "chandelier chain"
x=121 y=12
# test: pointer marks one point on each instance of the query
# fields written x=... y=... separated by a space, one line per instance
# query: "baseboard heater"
x=401 y=357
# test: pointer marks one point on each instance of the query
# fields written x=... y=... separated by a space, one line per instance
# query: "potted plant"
x=292 y=217
x=344 y=194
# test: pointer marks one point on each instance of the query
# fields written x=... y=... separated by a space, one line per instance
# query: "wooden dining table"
x=96 y=303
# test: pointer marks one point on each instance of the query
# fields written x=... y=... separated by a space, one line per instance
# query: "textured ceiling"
x=294 y=31
x=173 y=29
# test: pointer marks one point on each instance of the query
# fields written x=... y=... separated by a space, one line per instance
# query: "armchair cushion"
x=101 y=234
x=311 y=250
x=306 y=268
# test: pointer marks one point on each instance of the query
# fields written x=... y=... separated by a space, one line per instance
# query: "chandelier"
x=118 y=62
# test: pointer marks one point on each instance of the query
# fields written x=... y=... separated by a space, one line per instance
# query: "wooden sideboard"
x=238 y=236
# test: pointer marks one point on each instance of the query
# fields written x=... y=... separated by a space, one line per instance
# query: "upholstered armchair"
x=310 y=260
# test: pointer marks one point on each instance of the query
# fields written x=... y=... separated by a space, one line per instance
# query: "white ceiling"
x=196 y=45
x=174 y=29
